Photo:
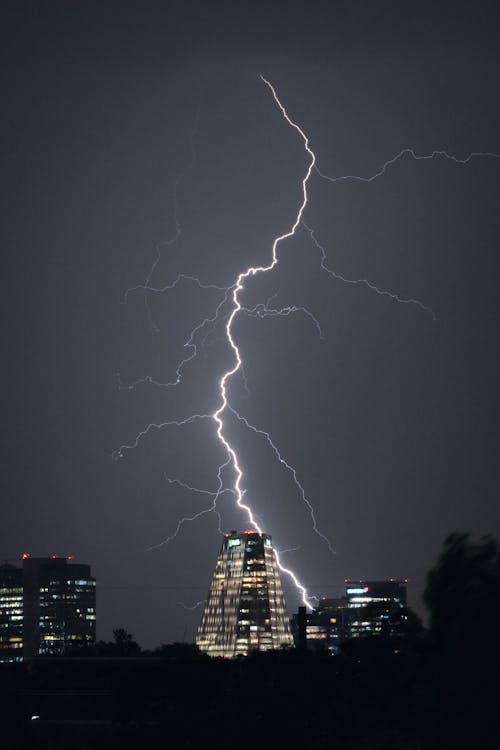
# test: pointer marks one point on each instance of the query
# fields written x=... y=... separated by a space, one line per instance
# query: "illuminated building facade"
x=322 y=629
x=59 y=605
x=46 y=605
x=245 y=609
x=372 y=605
x=11 y=613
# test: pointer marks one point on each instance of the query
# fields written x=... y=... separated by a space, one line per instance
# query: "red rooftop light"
x=25 y=556
x=250 y=531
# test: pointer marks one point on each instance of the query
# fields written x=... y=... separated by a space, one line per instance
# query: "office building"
x=372 y=606
x=59 y=605
x=11 y=613
x=46 y=606
x=322 y=629
x=245 y=609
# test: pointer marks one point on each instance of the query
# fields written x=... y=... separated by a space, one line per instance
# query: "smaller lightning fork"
x=417 y=157
x=364 y=282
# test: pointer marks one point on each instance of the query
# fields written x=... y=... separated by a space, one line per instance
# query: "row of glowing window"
x=48 y=619
x=72 y=582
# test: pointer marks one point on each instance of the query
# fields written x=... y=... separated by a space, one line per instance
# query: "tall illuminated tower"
x=245 y=609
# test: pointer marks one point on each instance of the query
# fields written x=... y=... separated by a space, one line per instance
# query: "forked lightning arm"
x=413 y=154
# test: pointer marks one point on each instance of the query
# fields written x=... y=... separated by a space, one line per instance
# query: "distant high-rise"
x=11 y=613
x=245 y=609
x=322 y=629
x=59 y=605
x=371 y=605
x=46 y=605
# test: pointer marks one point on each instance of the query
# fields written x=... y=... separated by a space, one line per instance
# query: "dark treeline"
x=422 y=690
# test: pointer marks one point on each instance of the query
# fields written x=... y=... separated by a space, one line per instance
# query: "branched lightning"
x=417 y=157
x=188 y=519
x=189 y=344
x=177 y=224
x=193 y=607
x=118 y=453
x=364 y=282
x=290 y=549
x=262 y=310
x=292 y=471
x=229 y=306
x=237 y=307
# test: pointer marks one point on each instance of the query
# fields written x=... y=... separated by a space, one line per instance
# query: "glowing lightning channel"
x=189 y=519
x=364 y=282
x=177 y=224
x=237 y=307
x=262 y=310
x=292 y=471
x=119 y=452
x=188 y=344
x=411 y=152
x=193 y=607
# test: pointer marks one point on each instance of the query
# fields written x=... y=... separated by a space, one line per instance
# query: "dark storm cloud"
x=391 y=422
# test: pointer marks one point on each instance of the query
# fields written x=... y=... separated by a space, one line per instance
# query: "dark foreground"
x=367 y=697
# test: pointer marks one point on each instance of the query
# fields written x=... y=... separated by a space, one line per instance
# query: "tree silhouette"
x=463 y=597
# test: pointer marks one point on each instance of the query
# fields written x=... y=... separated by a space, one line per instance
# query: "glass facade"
x=11 y=613
x=371 y=605
x=45 y=606
x=245 y=608
x=67 y=609
x=322 y=629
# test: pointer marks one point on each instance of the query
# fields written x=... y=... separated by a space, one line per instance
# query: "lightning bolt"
x=193 y=607
x=177 y=224
x=189 y=344
x=250 y=272
x=188 y=519
x=417 y=157
x=119 y=452
x=228 y=307
x=291 y=470
x=364 y=282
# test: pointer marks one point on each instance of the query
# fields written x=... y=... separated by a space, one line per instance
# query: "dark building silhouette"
x=368 y=608
x=322 y=629
x=46 y=605
x=245 y=609
x=11 y=613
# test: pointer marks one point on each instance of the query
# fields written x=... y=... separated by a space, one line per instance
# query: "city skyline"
x=140 y=154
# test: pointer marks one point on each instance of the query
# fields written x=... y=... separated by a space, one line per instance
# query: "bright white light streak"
x=237 y=307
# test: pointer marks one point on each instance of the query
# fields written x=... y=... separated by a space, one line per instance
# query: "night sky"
x=391 y=421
